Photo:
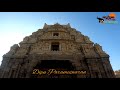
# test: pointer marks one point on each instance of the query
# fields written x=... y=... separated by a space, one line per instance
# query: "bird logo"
x=107 y=19
x=101 y=20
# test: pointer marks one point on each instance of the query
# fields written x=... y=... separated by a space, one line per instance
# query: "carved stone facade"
x=56 y=43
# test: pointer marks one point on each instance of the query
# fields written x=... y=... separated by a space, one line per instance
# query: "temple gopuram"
x=56 y=51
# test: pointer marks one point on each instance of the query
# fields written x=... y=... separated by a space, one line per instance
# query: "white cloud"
x=7 y=39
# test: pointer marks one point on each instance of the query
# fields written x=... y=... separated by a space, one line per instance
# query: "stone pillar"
x=18 y=69
x=4 y=65
x=108 y=69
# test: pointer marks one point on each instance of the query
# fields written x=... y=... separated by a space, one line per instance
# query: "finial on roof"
x=68 y=24
x=57 y=23
x=45 y=25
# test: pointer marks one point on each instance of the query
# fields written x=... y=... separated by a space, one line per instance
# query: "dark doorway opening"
x=59 y=65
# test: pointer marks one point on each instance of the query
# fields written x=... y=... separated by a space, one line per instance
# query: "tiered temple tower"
x=59 y=47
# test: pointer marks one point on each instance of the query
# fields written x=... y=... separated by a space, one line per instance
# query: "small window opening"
x=55 y=34
x=55 y=47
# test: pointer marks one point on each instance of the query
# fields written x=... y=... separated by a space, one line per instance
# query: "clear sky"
x=14 y=26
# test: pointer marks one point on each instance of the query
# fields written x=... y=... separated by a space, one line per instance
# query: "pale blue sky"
x=14 y=26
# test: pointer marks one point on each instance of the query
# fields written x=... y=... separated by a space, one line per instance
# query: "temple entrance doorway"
x=53 y=69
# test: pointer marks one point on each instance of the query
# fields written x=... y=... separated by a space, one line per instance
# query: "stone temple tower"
x=60 y=50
